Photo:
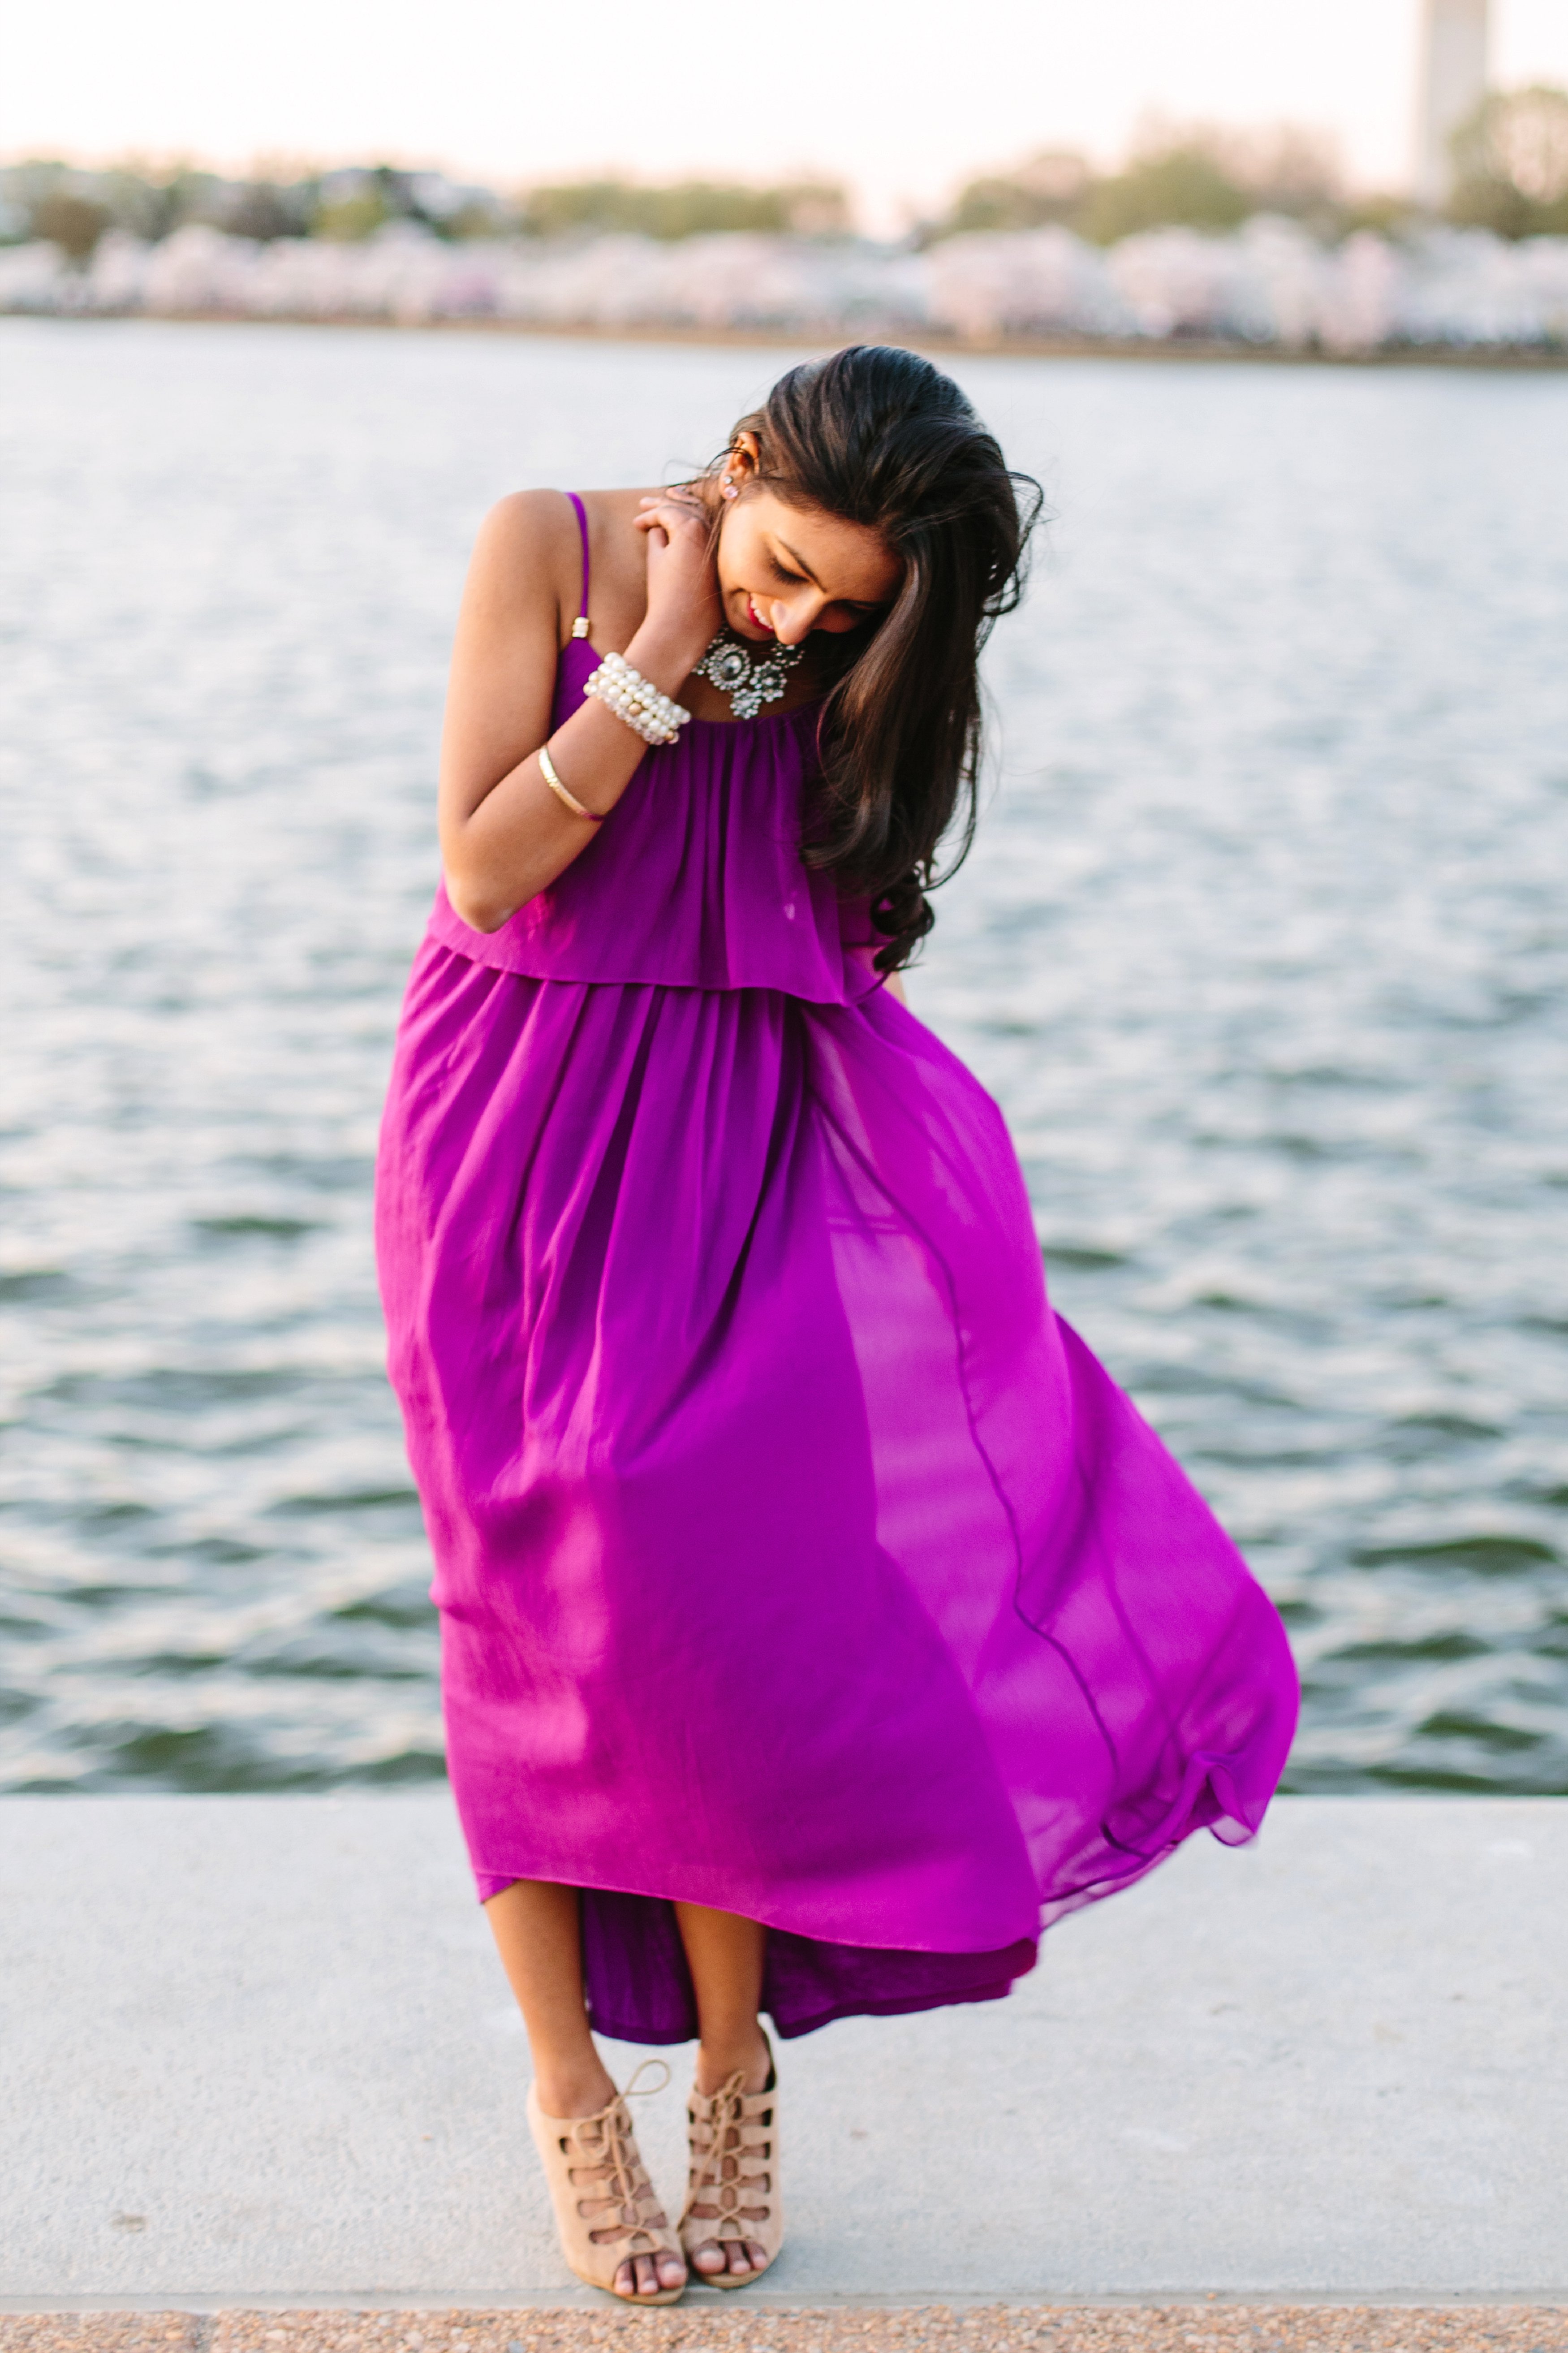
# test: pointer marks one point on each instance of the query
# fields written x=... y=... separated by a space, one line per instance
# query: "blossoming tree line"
x=1251 y=238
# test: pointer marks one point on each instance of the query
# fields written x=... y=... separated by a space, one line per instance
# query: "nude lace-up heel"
x=607 y=2209
x=733 y=2190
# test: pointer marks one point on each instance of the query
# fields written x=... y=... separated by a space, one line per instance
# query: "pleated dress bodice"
x=695 y=880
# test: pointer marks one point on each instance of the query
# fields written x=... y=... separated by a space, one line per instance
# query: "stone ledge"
x=256 y=2052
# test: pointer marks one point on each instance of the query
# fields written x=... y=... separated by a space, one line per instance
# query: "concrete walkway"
x=258 y=2050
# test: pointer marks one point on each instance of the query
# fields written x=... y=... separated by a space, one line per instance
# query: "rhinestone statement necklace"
x=749 y=678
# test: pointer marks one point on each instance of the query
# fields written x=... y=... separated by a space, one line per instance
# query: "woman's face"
x=786 y=570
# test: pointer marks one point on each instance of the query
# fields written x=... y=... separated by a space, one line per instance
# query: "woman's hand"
x=505 y=835
x=684 y=614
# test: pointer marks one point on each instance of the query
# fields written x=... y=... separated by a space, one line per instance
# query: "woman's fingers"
x=663 y=527
x=672 y=512
x=682 y=583
x=658 y=519
x=678 y=539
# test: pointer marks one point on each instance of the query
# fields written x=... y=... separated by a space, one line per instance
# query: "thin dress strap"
x=580 y=626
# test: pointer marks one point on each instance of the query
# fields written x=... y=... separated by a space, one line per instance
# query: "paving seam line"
x=781 y=2300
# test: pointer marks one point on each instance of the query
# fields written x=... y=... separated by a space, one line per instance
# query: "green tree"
x=1050 y=186
x=351 y=206
x=683 y=208
x=1182 y=185
x=1510 y=164
x=1385 y=213
x=1205 y=176
x=470 y=220
x=73 y=223
x=348 y=221
x=263 y=209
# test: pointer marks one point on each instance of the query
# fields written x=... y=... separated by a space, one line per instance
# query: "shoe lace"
x=726 y=2114
x=614 y=2145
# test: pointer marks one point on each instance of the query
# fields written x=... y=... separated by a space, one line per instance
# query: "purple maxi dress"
x=793 y=1556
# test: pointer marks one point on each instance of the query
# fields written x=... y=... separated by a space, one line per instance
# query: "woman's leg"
x=725 y=1956
x=537 y=1934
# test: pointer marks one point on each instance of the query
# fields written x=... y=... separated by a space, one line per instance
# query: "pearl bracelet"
x=624 y=691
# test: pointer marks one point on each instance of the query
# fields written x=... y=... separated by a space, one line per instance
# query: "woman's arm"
x=504 y=834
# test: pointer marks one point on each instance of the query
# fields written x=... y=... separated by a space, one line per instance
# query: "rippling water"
x=1263 y=950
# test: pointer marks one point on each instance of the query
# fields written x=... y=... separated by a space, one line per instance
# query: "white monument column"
x=1453 y=84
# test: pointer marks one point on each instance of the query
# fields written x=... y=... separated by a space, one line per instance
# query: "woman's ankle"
x=578 y=2085
x=745 y=2051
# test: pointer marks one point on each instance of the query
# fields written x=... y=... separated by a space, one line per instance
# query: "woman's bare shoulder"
x=528 y=527
x=537 y=519
x=526 y=563
x=530 y=536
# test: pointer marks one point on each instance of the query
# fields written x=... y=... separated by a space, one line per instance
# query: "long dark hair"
x=881 y=438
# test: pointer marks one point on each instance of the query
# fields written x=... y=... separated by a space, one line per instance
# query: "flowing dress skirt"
x=793 y=1556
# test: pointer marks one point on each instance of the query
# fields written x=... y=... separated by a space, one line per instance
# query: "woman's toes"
x=709 y=2259
x=671 y=2272
x=740 y=2260
x=638 y=2275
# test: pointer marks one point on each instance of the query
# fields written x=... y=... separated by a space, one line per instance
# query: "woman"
x=818 y=1619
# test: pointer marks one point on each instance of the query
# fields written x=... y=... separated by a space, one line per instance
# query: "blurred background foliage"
x=1510 y=161
x=73 y=208
x=1510 y=176
x=686 y=209
x=1198 y=178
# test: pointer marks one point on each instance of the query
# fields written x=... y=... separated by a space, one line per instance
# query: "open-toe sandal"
x=732 y=2192
x=607 y=2209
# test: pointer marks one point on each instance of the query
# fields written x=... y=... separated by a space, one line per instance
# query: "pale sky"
x=903 y=98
